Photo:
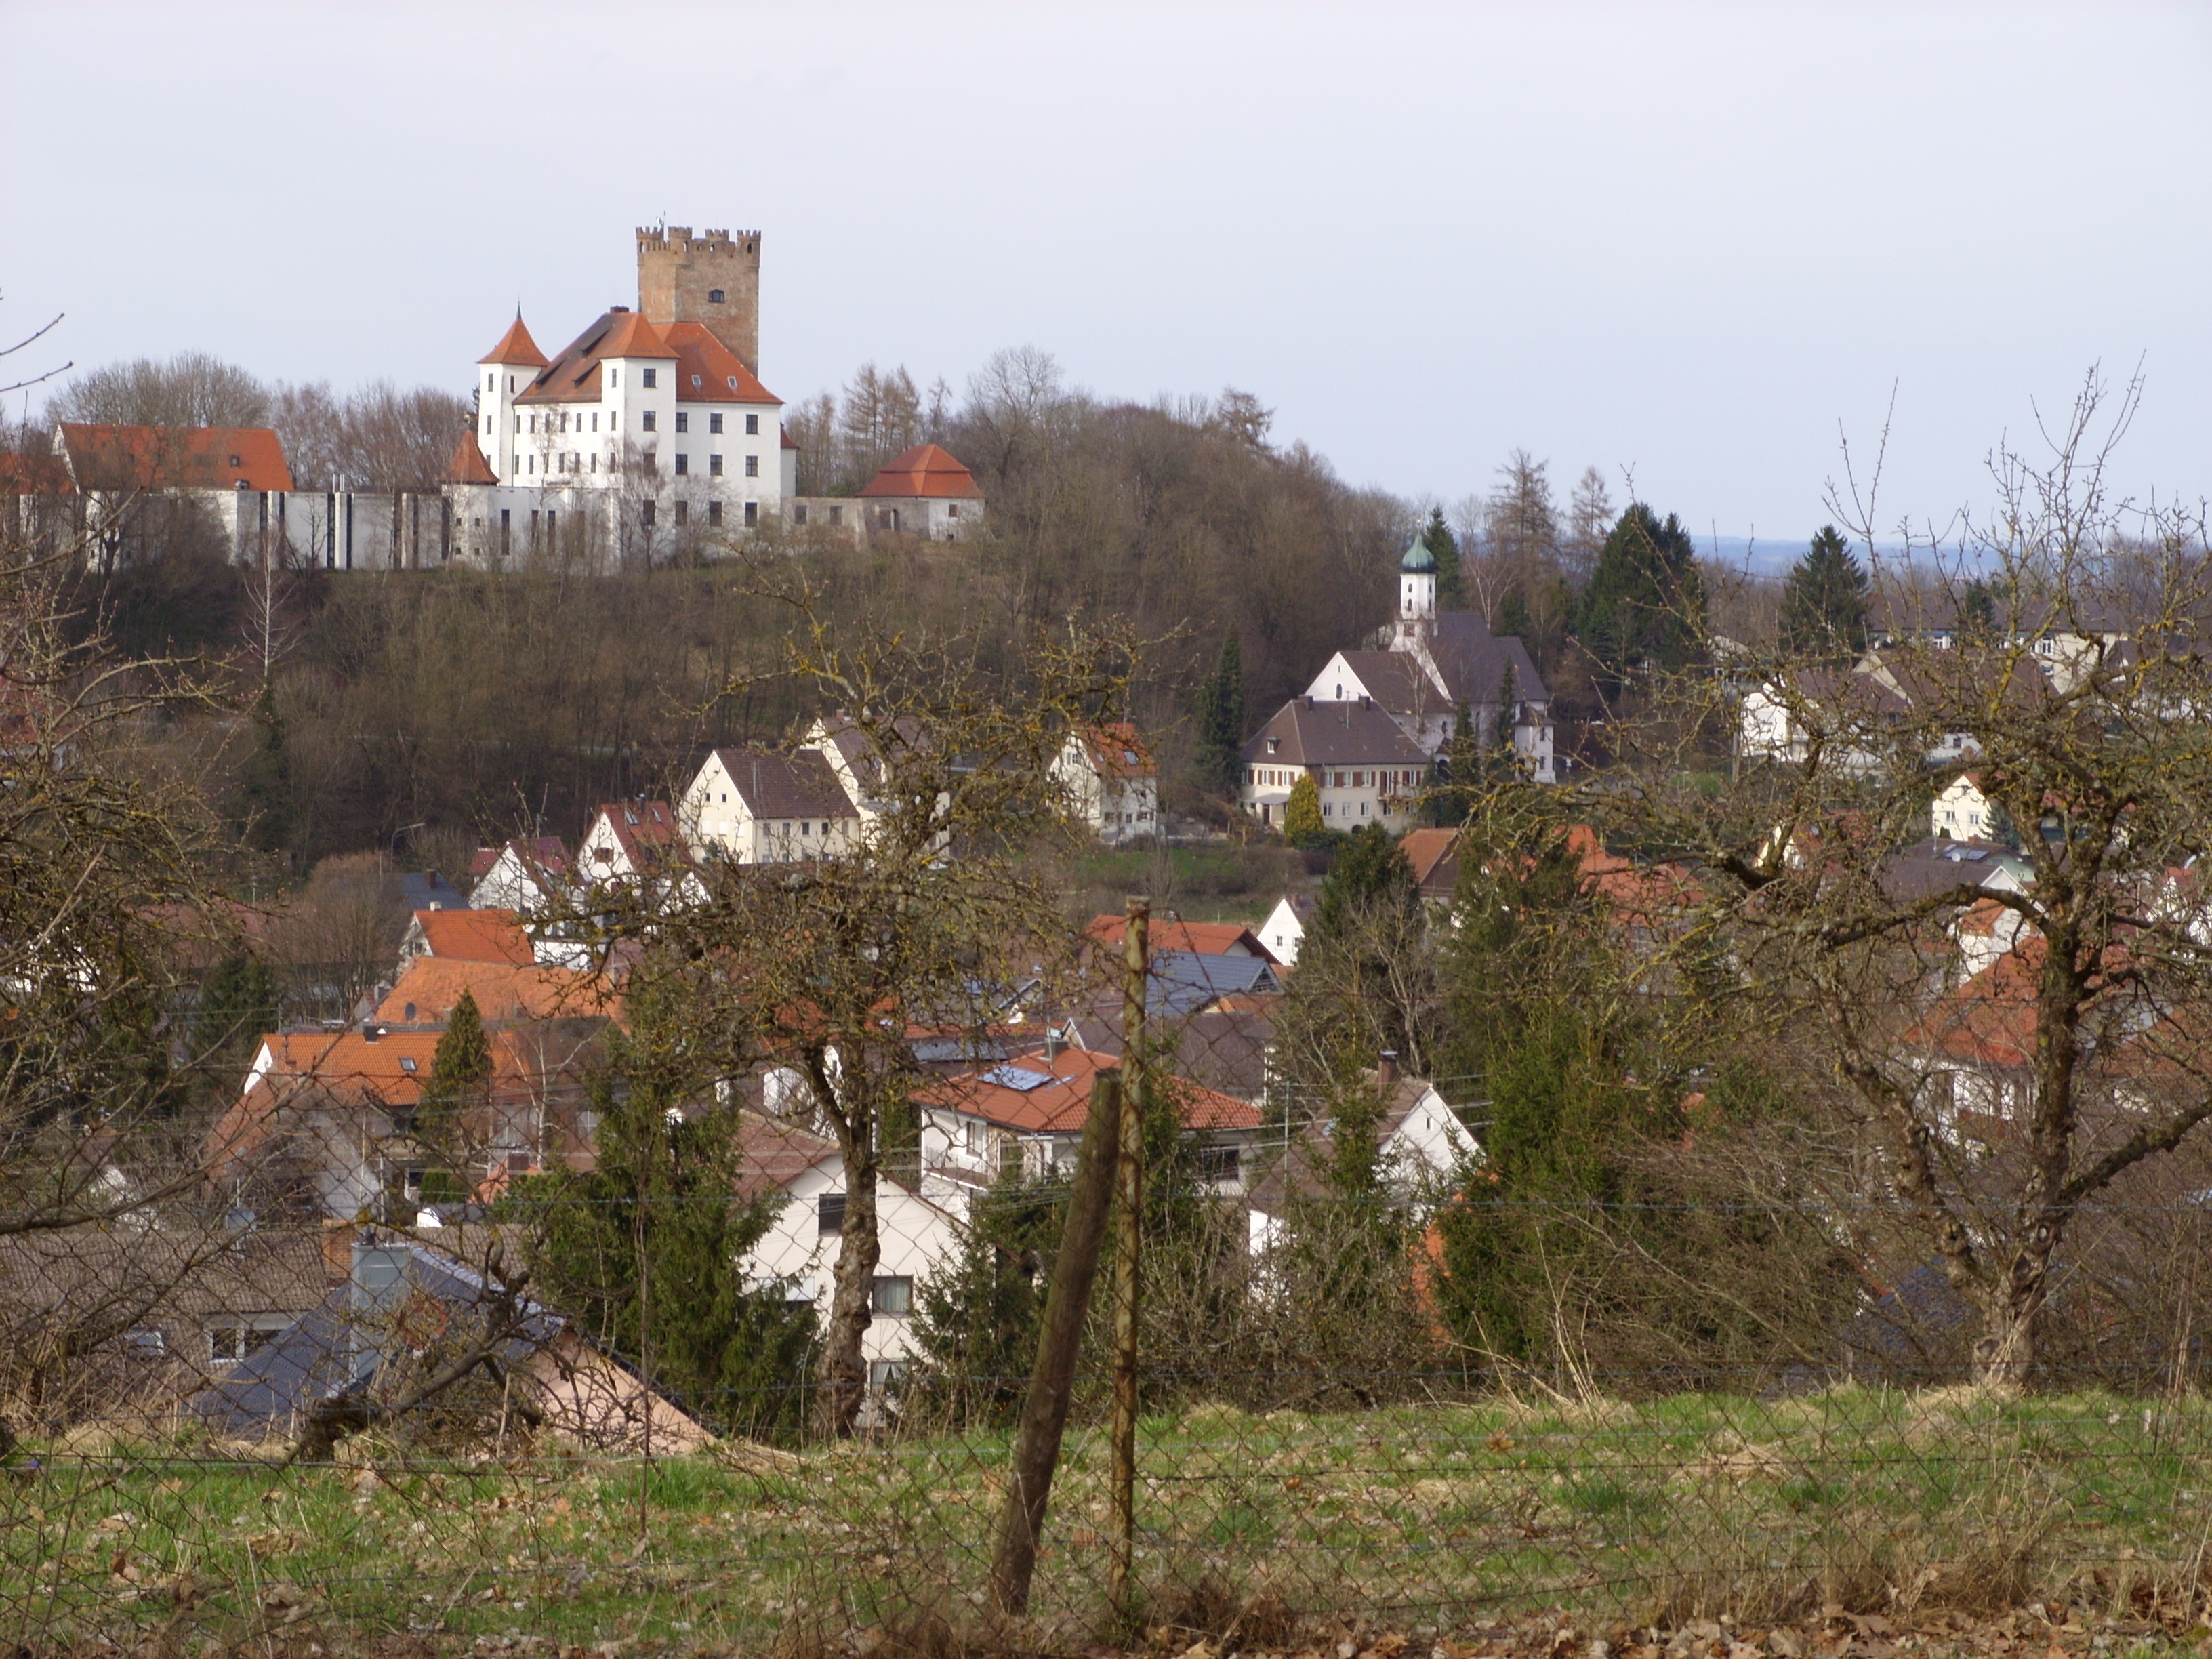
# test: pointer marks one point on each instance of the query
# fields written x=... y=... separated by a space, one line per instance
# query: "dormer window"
x=235 y=461
x=695 y=380
x=652 y=378
x=714 y=296
x=1274 y=745
x=732 y=379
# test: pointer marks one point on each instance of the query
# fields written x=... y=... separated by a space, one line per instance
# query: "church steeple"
x=1416 y=585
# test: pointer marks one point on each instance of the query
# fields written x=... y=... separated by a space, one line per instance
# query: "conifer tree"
x=266 y=786
x=460 y=1071
x=646 y=1250
x=1221 y=717
x=1444 y=548
x=1644 y=603
x=1302 y=824
x=976 y=1327
x=1824 y=602
x=237 y=1006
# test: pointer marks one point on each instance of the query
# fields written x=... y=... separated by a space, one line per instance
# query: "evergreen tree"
x=1221 y=717
x=460 y=1071
x=976 y=1329
x=265 y=788
x=237 y=1006
x=1302 y=824
x=1443 y=547
x=1645 y=604
x=1824 y=602
x=1360 y=960
x=646 y=1250
x=1514 y=622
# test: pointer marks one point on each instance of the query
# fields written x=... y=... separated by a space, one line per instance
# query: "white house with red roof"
x=647 y=432
x=1112 y=781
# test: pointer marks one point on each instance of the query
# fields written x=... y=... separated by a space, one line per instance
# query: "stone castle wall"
x=679 y=273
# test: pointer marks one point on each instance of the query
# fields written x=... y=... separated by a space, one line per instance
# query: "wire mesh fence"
x=506 y=1475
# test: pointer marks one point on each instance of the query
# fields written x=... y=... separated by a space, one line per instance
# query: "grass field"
x=1409 y=1517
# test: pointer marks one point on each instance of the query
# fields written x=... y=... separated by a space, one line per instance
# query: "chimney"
x=1053 y=1043
x=1386 y=1067
x=370 y=1031
x=338 y=1239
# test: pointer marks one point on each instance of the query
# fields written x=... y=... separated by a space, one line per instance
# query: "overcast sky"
x=1685 y=241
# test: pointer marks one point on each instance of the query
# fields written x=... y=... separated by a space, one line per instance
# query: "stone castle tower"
x=712 y=278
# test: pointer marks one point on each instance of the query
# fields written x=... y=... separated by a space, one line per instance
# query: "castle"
x=651 y=428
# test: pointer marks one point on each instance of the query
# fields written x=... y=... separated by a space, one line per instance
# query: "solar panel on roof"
x=1018 y=1078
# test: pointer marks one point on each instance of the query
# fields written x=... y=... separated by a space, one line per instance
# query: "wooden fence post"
x=1052 y=1381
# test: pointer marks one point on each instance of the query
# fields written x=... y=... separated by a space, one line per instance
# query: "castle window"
x=714 y=465
x=752 y=466
x=682 y=509
x=652 y=378
x=595 y=420
x=799 y=514
x=752 y=513
x=714 y=296
x=752 y=426
x=651 y=420
x=682 y=421
x=486 y=424
x=645 y=514
x=683 y=464
x=713 y=424
x=714 y=513
x=952 y=509
x=836 y=515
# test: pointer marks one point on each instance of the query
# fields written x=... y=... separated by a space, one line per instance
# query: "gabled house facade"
x=756 y=806
x=1112 y=781
x=1366 y=769
x=631 y=842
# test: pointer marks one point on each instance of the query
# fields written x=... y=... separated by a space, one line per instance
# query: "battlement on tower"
x=713 y=279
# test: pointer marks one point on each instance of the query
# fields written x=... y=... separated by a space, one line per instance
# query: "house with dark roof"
x=760 y=806
x=1367 y=769
x=1429 y=665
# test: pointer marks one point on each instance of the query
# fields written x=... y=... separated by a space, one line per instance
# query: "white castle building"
x=648 y=431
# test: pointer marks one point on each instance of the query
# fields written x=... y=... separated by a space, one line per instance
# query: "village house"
x=1284 y=929
x=1366 y=769
x=1031 y=1109
x=921 y=1236
x=520 y=875
x=465 y=936
x=1962 y=813
x=1112 y=783
x=755 y=806
x=631 y=842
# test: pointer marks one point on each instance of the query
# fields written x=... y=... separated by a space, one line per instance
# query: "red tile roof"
x=709 y=371
x=468 y=466
x=1116 y=751
x=427 y=992
x=927 y=472
x=1205 y=938
x=1428 y=850
x=174 y=458
x=646 y=832
x=631 y=336
x=515 y=349
x=475 y=935
x=1060 y=1102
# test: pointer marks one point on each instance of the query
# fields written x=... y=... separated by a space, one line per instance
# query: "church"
x=1426 y=665
x=1369 y=730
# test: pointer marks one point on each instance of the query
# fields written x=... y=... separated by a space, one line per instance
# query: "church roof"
x=1417 y=558
x=925 y=471
x=515 y=346
x=1473 y=661
x=468 y=466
